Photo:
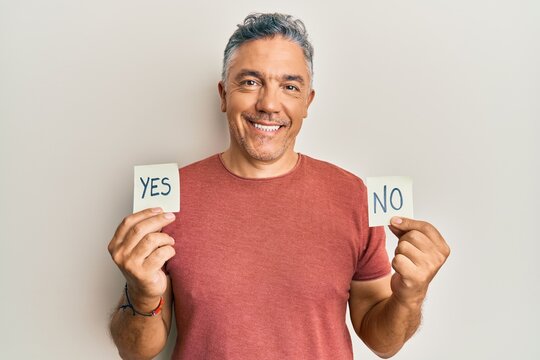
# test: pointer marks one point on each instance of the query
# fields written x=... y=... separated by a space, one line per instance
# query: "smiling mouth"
x=265 y=128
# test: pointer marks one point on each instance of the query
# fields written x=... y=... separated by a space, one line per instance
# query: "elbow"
x=146 y=352
x=386 y=352
x=387 y=355
x=131 y=348
x=132 y=356
x=382 y=350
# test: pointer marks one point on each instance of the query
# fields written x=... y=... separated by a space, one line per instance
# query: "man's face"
x=266 y=97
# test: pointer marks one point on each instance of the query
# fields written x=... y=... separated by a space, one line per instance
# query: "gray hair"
x=259 y=26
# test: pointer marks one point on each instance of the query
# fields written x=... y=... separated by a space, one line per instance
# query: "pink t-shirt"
x=263 y=266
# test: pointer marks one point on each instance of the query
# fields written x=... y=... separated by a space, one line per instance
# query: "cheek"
x=296 y=109
x=234 y=109
x=234 y=126
x=238 y=102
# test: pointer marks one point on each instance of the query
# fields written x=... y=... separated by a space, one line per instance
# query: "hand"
x=140 y=251
x=420 y=253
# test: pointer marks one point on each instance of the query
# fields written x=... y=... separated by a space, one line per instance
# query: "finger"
x=399 y=233
x=419 y=240
x=145 y=227
x=434 y=235
x=403 y=265
x=403 y=225
x=149 y=243
x=423 y=241
x=411 y=252
x=128 y=222
x=158 y=257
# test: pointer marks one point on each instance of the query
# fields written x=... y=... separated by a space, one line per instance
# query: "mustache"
x=257 y=117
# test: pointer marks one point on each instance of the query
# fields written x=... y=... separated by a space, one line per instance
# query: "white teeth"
x=265 y=127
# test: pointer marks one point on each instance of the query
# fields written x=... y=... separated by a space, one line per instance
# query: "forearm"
x=388 y=325
x=138 y=337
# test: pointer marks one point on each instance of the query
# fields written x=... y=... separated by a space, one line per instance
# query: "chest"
x=301 y=249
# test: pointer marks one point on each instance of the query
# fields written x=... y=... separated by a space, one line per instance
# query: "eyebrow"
x=297 y=78
x=246 y=72
x=286 y=77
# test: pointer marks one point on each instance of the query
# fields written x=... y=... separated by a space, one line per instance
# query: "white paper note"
x=389 y=196
x=156 y=186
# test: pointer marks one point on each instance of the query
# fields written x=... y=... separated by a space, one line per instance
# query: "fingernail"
x=169 y=216
x=157 y=210
x=396 y=220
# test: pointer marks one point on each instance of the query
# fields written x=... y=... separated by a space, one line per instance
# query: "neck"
x=245 y=166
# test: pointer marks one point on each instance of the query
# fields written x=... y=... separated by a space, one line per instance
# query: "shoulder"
x=201 y=166
x=328 y=172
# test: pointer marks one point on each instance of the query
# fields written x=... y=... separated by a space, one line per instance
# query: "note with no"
x=156 y=186
x=389 y=196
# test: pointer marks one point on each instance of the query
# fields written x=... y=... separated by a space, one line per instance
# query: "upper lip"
x=265 y=123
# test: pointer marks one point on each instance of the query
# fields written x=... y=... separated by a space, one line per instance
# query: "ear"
x=308 y=101
x=222 y=93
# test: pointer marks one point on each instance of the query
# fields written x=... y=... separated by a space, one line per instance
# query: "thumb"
x=396 y=226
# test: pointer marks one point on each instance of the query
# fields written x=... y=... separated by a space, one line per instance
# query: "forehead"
x=271 y=56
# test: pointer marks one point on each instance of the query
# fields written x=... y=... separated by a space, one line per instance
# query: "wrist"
x=142 y=304
x=410 y=303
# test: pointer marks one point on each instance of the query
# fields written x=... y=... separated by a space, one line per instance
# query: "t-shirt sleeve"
x=373 y=260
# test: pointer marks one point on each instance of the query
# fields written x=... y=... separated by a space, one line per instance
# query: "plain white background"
x=445 y=92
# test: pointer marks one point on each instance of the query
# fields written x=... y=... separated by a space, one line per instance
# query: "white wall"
x=446 y=92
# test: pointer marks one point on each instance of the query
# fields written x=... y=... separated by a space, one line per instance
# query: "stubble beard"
x=260 y=140
x=259 y=154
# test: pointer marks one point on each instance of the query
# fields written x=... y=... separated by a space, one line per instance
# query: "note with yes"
x=388 y=196
x=156 y=186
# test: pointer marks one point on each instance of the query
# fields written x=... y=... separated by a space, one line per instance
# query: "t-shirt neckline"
x=287 y=174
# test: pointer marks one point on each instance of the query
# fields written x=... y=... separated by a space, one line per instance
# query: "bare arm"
x=386 y=312
x=140 y=251
x=141 y=337
x=381 y=322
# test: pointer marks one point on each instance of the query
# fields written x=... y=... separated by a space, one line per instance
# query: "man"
x=270 y=244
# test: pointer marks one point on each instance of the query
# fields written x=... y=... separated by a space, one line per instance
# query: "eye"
x=292 y=88
x=249 y=83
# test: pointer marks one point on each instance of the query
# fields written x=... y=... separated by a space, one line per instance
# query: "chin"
x=264 y=155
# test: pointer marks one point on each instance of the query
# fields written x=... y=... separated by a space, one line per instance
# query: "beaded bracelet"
x=154 y=312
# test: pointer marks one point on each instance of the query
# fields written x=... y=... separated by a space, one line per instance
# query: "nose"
x=268 y=100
